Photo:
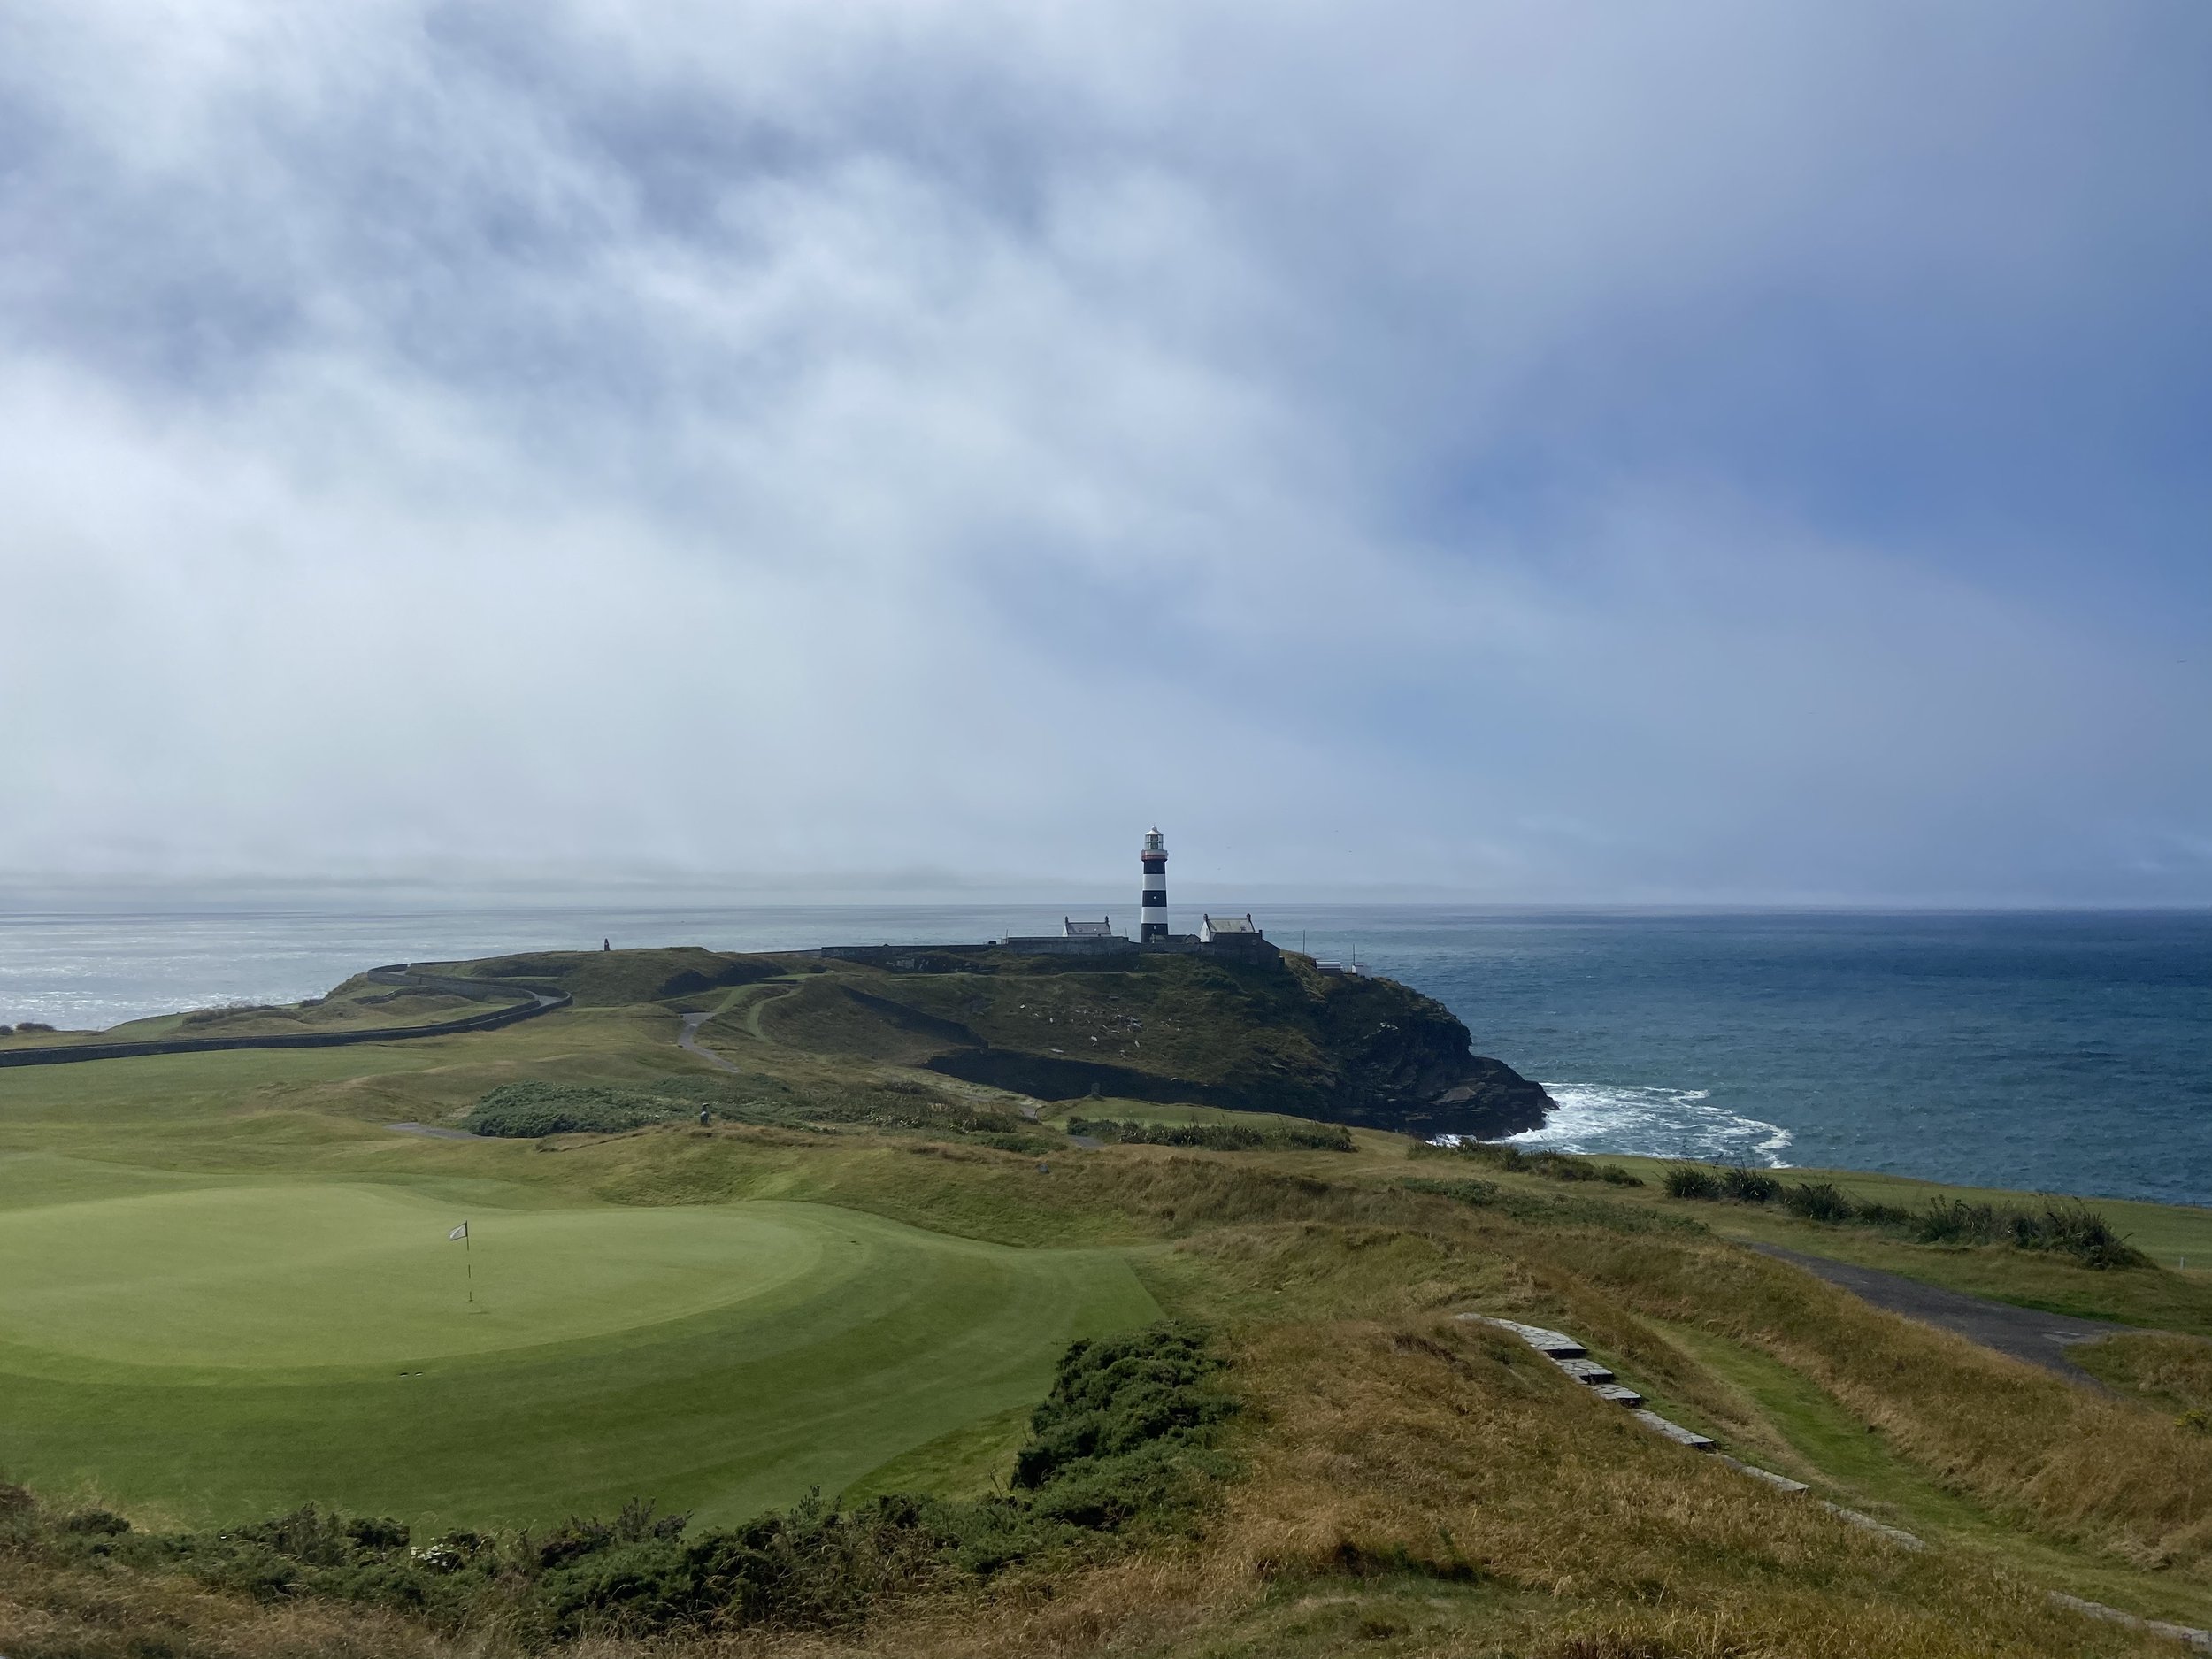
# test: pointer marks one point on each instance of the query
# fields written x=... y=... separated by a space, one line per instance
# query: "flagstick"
x=468 y=1267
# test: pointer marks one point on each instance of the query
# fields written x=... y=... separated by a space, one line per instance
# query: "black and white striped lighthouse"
x=1154 y=910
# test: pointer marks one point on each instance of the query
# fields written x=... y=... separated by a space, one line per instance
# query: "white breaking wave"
x=1653 y=1123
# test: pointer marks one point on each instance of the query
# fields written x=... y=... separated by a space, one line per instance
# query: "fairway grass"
x=220 y=1351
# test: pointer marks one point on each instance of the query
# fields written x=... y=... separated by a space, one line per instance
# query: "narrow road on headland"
x=688 y=1039
x=2028 y=1333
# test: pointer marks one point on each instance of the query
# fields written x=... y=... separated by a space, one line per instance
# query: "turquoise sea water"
x=2071 y=1052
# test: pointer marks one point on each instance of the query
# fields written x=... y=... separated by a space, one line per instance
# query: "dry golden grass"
x=2173 y=1371
x=63 y=1613
x=2091 y=1470
x=1429 y=1449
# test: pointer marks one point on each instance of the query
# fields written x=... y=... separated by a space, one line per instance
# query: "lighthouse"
x=1154 y=908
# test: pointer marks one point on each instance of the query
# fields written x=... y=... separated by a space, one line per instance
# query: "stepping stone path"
x=1574 y=1359
x=1780 y=1483
x=1571 y=1357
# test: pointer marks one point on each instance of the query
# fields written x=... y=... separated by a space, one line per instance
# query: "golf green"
x=217 y=1352
x=337 y=1275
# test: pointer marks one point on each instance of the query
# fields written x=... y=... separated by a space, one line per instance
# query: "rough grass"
x=1558 y=1166
x=1277 y=1135
x=2087 y=1470
x=621 y=979
x=2172 y=1372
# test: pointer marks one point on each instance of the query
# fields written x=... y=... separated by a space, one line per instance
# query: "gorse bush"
x=1219 y=1137
x=2068 y=1227
x=1112 y=1440
x=1557 y=1166
x=1124 y=1441
x=534 y=1109
x=531 y=1110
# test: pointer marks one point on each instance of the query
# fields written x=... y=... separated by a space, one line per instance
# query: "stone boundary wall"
x=899 y=957
x=537 y=1002
x=1060 y=945
x=894 y=956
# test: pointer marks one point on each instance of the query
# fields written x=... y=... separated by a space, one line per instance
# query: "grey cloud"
x=1556 y=459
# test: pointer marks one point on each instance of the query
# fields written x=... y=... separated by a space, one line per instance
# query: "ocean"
x=2055 y=1052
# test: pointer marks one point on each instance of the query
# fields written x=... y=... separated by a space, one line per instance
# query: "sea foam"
x=1657 y=1123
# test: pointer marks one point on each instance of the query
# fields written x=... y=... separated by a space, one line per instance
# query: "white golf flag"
x=461 y=1231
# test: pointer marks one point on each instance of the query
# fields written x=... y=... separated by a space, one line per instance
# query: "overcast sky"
x=1641 y=453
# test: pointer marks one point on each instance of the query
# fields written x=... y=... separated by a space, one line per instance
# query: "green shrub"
x=1691 y=1180
x=1151 y=1391
x=1817 y=1201
x=527 y=1110
x=385 y=1534
x=2070 y=1228
x=1748 y=1187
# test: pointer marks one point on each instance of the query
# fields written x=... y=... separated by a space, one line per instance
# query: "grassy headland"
x=862 y=1275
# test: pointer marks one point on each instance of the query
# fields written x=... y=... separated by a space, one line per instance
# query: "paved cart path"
x=2029 y=1333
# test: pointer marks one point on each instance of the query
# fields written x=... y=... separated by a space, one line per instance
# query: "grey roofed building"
x=1218 y=924
x=1103 y=928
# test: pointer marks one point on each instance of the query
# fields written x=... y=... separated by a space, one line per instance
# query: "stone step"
x=1553 y=1343
x=1619 y=1394
x=1780 y=1483
x=2200 y=1639
x=1896 y=1535
x=1674 y=1431
x=1584 y=1370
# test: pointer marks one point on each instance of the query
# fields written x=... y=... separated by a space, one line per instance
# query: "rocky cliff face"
x=1408 y=1064
x=1273 y=1036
